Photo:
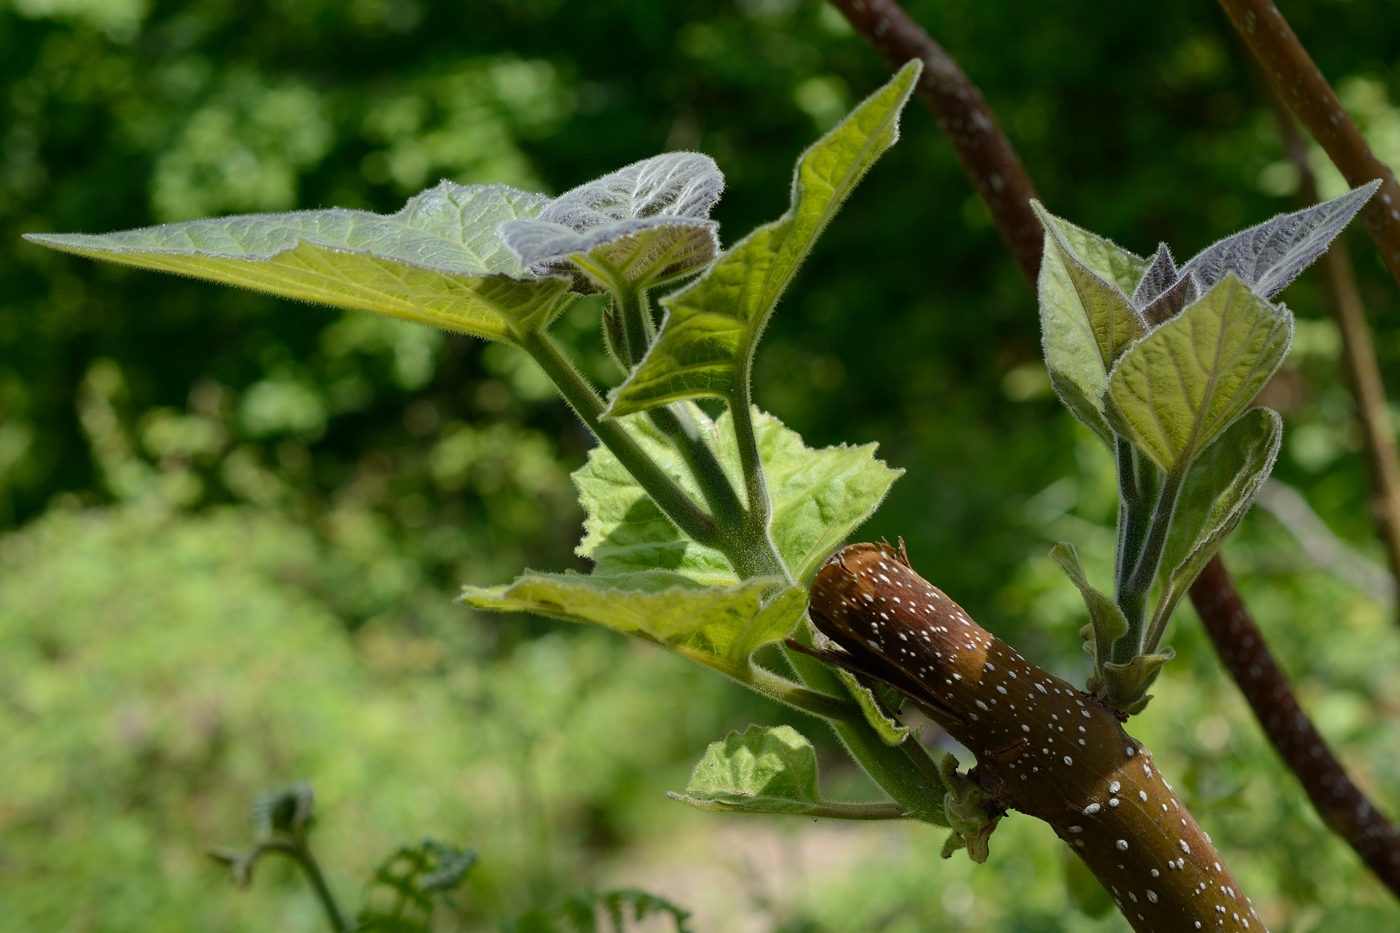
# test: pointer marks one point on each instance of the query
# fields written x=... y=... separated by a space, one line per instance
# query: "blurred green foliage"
x=235 y=524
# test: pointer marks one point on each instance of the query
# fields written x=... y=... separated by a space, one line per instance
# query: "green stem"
x=832 y=810
x=822 y=705
x=680 y=428
x=1139 y=582
x=585 y=401
x=638 y=328
x=756 y=542
x=300 y=854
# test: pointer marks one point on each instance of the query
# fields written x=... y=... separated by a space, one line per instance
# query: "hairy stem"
x=1362 y=369
x=584 y=399
x=1298 y=80
x=1140 y=582
x=822 y=705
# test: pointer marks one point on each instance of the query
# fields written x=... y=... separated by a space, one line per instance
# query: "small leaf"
x=1179 y=387
x=409 y=885
x=1124 y=686
x=1270 y=255
x=437 y=261
x=1105 y=618
x=645 y=224
x=818 y=498
x=707 y=340
x=1216 y=494
x=1159 y=277
x=768 y=769
x=890 y=730
x=1070 y=289
x=718 y=627
x=1172 y=301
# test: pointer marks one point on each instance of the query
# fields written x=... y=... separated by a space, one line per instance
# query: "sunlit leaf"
x=890 y=731
x=707 y=341
x=1176 y=389
x=1217 y=492
x=1072 y=289
x=718 y=626
x=644 y=224
x=437 y=261
x=818 y=498
x=1270 y=255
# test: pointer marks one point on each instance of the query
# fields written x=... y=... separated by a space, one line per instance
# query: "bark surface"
x=1043 y=747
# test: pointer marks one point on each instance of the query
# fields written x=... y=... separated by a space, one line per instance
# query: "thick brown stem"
x=1341 y=804
x=1300 y=83
x=964 y=117
x=899 y=38
x=1043 y=747
x=1358 y=354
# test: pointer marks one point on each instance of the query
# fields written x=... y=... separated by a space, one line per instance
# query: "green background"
x=233 y=526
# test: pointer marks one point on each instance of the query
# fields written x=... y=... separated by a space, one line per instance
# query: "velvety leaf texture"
x=1270 y=255
x=647 y=222
x=771 y=770
x=437 y=261
x=818 y=498
x=1216 y=494
x=1159 y=277
x=1179 y=387
x=712 y=326
x=717 y=626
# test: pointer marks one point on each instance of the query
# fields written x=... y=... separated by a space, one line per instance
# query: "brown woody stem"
x=1300 y=83
x=957 y=104
x=1343 y=806
x=1043 y=747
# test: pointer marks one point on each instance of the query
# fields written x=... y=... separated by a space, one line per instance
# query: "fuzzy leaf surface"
x=646 y=223
x=436 y=261
x=717 y=626
x=1074 y=291
x=764 y=770
x=818 y=498
x=1179 y=387
x=1218 y=491
x=1270 y=255
x=707 y=340
x=890 y=730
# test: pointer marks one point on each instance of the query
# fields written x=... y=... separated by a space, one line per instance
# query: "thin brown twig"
x=1238 y=641
x=1358 y=353
x=1300 y=83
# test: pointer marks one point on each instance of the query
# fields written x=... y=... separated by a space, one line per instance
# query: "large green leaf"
x=437 y=261
x=1179 y=387
x=1216 y=494
x=1075 y=299
x=818 y=498
x=640 y=226
x=712 y=326
x=717 y=626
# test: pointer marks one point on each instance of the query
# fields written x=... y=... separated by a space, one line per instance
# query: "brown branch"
x=957 y=103
x=1043 y=747
x=1300 y=83
x=987 y=156
x=1358 y=353
x=1343 y=806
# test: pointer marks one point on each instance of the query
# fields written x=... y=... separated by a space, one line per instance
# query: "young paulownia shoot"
x=706 y=534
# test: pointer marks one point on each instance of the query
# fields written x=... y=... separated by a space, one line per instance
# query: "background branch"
x=1297 y=79
x=993 y=167
x=1358 y=351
